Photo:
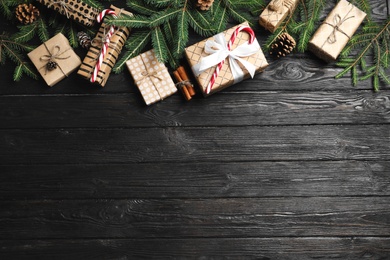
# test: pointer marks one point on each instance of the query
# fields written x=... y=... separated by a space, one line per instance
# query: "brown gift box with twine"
x=151 y=77
x=74 y=9
x=195 y=53
x=334 y=33
x=275 y=13
x=117 y=41
x=55 y=59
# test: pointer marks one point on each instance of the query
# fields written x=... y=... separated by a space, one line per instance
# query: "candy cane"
x=106 y=42
x=229 y=46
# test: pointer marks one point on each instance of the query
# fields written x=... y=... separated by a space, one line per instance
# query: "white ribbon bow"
x=219 y=51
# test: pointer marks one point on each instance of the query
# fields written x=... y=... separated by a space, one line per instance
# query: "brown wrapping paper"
x=73 y=9
x=275 y=13
x=334 y=33
x=117 y=41
x=195 y=53
x=57 y=49
x=151 y=77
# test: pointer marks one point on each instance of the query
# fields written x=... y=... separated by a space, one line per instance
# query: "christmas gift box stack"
x=55 y=59
x=105 y=49
x=275 y=13
x=226 y=58
x=74 y=9
x=334 y=33
x=151 y=77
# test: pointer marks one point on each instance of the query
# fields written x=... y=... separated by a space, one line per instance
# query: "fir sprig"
x=13 y=50
x=374 y=40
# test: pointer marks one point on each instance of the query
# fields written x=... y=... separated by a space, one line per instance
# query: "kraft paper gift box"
x=275 y=13
x=73 y=9
x=198 y=56
x=334 y=33
x=117 y=41
x=56 y=50
x=151 y=77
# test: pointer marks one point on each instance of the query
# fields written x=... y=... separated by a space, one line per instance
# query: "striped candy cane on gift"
x=229 y=46
x=106 y=42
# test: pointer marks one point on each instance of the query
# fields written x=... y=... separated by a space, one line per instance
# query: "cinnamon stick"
x=184 y=76
x=183 y=88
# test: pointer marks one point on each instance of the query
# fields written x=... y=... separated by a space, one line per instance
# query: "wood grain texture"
x=196 y=180
x=208 y=144
x=189 y=218
x=231 y=109
x=293 y=164
x=350 y=248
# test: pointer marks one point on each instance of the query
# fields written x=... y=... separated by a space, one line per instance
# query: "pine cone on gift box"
x=204 y=5
x=283 y=45
x=26 y=13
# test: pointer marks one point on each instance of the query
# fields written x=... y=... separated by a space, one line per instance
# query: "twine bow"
x=184 y=83
x=65 y=7
x=146 y=74
x=53 y=55
x=337 y=22
x=276 y=5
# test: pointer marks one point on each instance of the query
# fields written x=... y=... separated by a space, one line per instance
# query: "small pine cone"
x=204 y=5
x=84 y=39
x=51 y=65
x=283 y=45
x=26 y=13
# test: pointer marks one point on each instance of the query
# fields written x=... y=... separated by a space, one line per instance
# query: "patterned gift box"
x=117 y=41
x=151 y=77
x=55 y=59
x=73 y=9
x=334 y=33
x=275 y=13
x=196 y=55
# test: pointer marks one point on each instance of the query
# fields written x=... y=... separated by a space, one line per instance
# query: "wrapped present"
x=74 y=9
x=334 y=33
x=275 y=13
x=226 y=58
x=55 y=59
x=151 y=77
x=105 y=49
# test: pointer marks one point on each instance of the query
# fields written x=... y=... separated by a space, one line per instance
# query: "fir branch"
x=182 y=34
x=134 y=46
x=140 y=7
x=159 y=45
x=42 y=30
x=26 y=32
x=12 y=50
x=380 y=51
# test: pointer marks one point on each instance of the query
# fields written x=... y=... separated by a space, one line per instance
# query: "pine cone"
x=84 y=39
x=204 y=5
x=283 y=45
x=51 y=65
x=26 y=13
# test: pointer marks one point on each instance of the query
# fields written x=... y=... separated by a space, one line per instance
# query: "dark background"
x=293 y=164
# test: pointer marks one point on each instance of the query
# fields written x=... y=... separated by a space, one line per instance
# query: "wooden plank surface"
x=208 y=144
x=231 y=109
x=196 y=180
x=351 y=248
x=293 y=164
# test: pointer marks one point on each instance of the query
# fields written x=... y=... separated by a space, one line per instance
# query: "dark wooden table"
x=293 y=164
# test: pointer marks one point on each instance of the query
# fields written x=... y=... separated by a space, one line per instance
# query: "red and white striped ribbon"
x=106 y=42
x=229 y=46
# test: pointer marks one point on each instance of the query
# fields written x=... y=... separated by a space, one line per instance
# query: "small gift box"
x=334 y=33
x=151 y=77
x=275 y=13
x=55 y=59
x=74 y=9
x=99 y=61
x=226 y=58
